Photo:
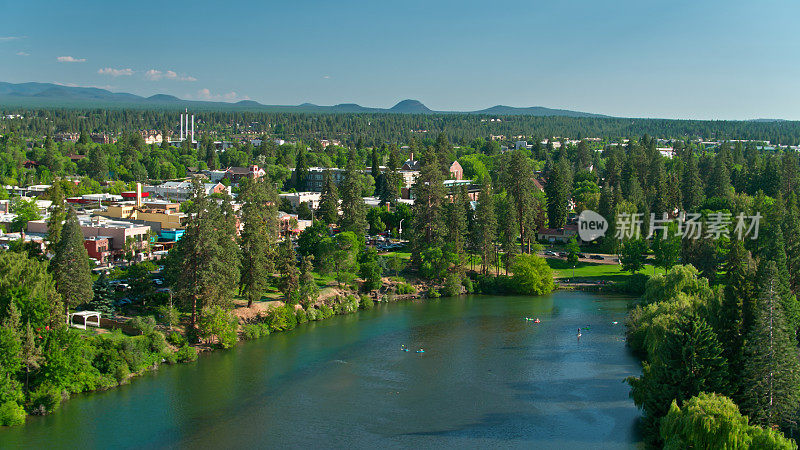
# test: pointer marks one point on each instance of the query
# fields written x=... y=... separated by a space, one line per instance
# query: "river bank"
x=487 y=378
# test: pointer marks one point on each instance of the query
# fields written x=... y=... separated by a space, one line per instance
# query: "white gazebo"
x=87 y=319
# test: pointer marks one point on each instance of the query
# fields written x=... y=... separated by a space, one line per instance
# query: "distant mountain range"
x=55 y=95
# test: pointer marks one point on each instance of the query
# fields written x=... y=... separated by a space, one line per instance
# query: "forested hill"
x=376 y=128
x=54 y=95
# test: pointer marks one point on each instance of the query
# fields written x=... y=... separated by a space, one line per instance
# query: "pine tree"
x=375 y=170
x=55 y=222
x=519 y=184
x=771 y=371
x=309 y=291
x=457 y=228
x=692 y=188
x=70 y=265
x=558 y=191
x=301 y=169
x=428 y=210
x=791 y=231
x=486 y=225
x=735 y=316
x=30 y=354
x=204 y=265
x=329 y=200
x=287 y=267
x=687 y=362
x=258 y=237
x=508 y=230
x=354 y=211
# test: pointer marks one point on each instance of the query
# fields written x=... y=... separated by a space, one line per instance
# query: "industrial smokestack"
x=192 y=128
x=181 y=138
x=138 y=195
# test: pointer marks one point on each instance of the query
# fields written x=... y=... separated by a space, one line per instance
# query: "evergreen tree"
x=30 y=353
x=57 y=214
x=558 y=190
x=203 y=266
x=301 y=169
x=329 y=200
x=354 y=211
x=486 y=225
x=375 y=170
x=791 y=231
x=70 y=265
x=519 y=184
x=428 y=210
x=508 y=230
x=309 y=291
x=692 y=188
x=688 y=361
x=735 y=316
x=287 y=267
x=259 y=232
x=456 y=228
x=771 y=368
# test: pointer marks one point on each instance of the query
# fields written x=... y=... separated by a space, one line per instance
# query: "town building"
x=237 y=173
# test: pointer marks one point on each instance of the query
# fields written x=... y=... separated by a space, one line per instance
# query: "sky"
x=731 y=59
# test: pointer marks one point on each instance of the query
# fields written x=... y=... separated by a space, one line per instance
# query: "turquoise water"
x=488 y=378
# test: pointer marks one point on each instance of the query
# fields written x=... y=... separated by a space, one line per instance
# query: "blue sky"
x=676 y=59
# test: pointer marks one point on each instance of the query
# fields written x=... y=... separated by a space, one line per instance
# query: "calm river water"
x=487 y=378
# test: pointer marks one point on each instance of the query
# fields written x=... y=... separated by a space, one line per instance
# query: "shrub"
x=532 y=275
x=366 y=302
x=156 y=341
x=468 y=286
x=11 y=414
x=301 y=315
x=313 y=314
x=405 y=288
x=499 y=285
x=452 y=285
x=144 y=325
x=186 y=354
x=44 y=400
x=432 y=293
x=326 y=311
x=282 y=318
x=348 y=306
x=253 y=331
x=216 y=322
x=176 y=339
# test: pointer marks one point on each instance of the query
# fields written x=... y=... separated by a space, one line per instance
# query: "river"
x=487 y=378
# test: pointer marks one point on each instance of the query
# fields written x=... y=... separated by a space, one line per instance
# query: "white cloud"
x=10 y=38
x=70 y=59
x=155 y=75
x=327 y=77
x=115 y=72
x=23 y=54
x=206 y=94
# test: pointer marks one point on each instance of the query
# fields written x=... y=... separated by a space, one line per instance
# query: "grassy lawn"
x=594 y=272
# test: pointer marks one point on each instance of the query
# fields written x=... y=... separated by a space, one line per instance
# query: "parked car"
x=600 y=257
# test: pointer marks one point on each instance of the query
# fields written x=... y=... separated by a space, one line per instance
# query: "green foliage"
x=405 y=288
x=220 y=324
x=686 y=362
x=532 y=275
x=713 y=421
x=253 y=331
x=26 y=210
x=11 y=414
x=633 y=255
x=432 y=292
x=452 y=285
x=186 y=353
x=26 y=283
x=176 y=339
x=348 y=305
x=369 y=269
x=366 y=302
x=70 y=265
x=143 y=324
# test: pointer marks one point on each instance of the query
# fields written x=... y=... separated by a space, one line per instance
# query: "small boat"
x=405 y=349
x=420 y=351
x=537 y=320
x=614 y=323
